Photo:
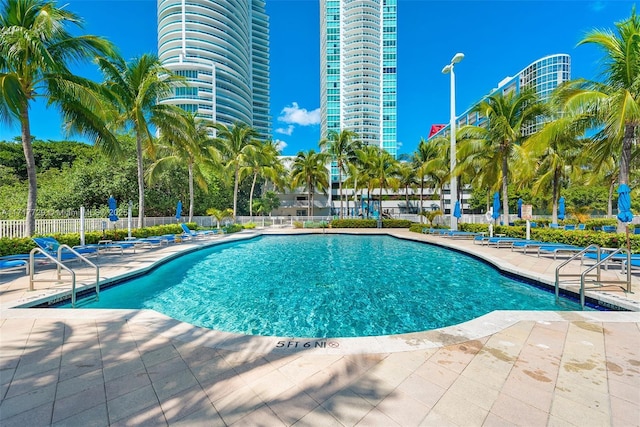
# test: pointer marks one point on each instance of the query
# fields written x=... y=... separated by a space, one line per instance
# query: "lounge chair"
x=52 y=247
x=570 y=227
x=8 y=265
x=556 y=249
x=581 y=227
x=523 y=245
x=609 y=228
x=502 y=242
x=196 y=234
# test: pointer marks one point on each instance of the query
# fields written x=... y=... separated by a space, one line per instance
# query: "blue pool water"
x=326 y=286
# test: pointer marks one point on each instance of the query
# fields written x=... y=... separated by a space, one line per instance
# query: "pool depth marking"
x=307 y=344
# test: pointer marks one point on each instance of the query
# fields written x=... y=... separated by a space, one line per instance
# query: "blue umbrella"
x=113 y=217
x=624 y=203
x=561 y=208
x=496 y=206
x=179 y=210
x=520 y=202
x=456 y=210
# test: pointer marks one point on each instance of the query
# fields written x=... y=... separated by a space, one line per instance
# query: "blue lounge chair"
x=52 y=246
x=609 y=228
x=524 y=245
x=582 y=227
x=196 y=234
x=558 y=248
x=570 y=227
x=8 y=265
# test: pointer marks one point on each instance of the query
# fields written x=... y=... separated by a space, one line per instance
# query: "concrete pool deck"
x=131 y=367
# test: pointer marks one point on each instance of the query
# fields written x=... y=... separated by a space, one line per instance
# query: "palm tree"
x=191 y=149
x=554 y=151
x=431 y=165
x=234 y=143
x=220 y=214
x=500 y=141
x=407 y=178
x=261 y=160
x=341 y=147
x=133 y=90
x=309 y=170
x=616 y=101
x=36 y=51
x=384 y=170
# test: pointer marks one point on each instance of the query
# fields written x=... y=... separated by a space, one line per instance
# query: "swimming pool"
x=326 y=286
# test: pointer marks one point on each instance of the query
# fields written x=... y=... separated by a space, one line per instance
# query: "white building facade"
x=358 y=66
x=221 y=47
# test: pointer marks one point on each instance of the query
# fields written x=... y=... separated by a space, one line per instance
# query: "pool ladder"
x=59 y=267
x=600 y=261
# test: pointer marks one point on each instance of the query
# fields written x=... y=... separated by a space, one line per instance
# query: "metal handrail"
x=60 y=265
x=597 y=265
x=575 y=256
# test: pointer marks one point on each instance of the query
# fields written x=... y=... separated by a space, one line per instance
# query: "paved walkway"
x=129 y=367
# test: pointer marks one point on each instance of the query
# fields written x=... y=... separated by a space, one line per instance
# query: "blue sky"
x=498 y=39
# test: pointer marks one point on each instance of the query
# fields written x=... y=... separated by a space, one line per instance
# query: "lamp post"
x=448 y=69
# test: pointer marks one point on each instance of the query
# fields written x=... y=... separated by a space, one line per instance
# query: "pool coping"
x=160 y=324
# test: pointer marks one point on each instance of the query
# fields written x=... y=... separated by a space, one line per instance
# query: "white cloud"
x=280 y=145
x=293 y=114
x=287 y=131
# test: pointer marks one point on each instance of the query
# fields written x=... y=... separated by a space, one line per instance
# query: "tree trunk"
x=554 y=209
x=191 y=197
x=30 y=218
x=505 y=189
x=421 y=198
x=406 y=190
x=253 y=186
x=625 y=162
x=140 y=180
x=610 y=199
x=235 y=190
x=339 y=186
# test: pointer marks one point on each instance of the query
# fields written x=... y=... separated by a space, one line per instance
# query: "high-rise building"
x=543 y=75
x=358 y=49
x=221 y=47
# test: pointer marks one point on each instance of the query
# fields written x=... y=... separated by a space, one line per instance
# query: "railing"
x=60 y=266
x=610 y=256
x=581 y=275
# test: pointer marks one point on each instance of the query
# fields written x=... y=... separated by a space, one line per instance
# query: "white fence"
x=15 y=228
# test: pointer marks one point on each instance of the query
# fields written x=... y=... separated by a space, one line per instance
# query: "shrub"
x=249 y=226
x=354 y=223
x=396 y=223
x=233 y=228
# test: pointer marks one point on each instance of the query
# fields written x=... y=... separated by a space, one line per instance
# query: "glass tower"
x=221 y=47
x=358 y=57
x=542 y=75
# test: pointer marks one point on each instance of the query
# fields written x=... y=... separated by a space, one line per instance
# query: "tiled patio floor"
x=125 y=367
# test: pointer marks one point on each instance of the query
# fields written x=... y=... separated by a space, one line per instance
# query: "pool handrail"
x=571 y=258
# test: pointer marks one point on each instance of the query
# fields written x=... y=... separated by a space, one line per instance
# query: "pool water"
x=326 y=286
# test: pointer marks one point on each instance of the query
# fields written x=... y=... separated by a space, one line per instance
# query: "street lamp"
x=448 y=69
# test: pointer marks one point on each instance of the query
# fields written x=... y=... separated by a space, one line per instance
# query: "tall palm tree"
x=191 y=148
x=341 y=146
x=384 y=170
x=499 y=142
x=615 y=101
x=432 y=161
x=554 y=151
x=407 y=178
x=36 y=51
x=365 y=161
x=133 y=90
x=234 y=143
x=261 y=160
x=309 y=170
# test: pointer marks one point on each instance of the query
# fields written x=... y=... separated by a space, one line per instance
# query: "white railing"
x=15 y=228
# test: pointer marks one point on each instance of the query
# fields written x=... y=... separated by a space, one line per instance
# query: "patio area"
x=136 y=367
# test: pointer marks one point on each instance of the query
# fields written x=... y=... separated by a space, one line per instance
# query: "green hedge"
x=570 y=237
x=24 y=245
x=370 y=223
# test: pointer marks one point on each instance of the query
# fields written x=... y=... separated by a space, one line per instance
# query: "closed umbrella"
x=496 y=206
x=520 y=202
x=456 y=210
x=179 y=210
x=624 y=203
x=113 y=217
x=561 y=208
